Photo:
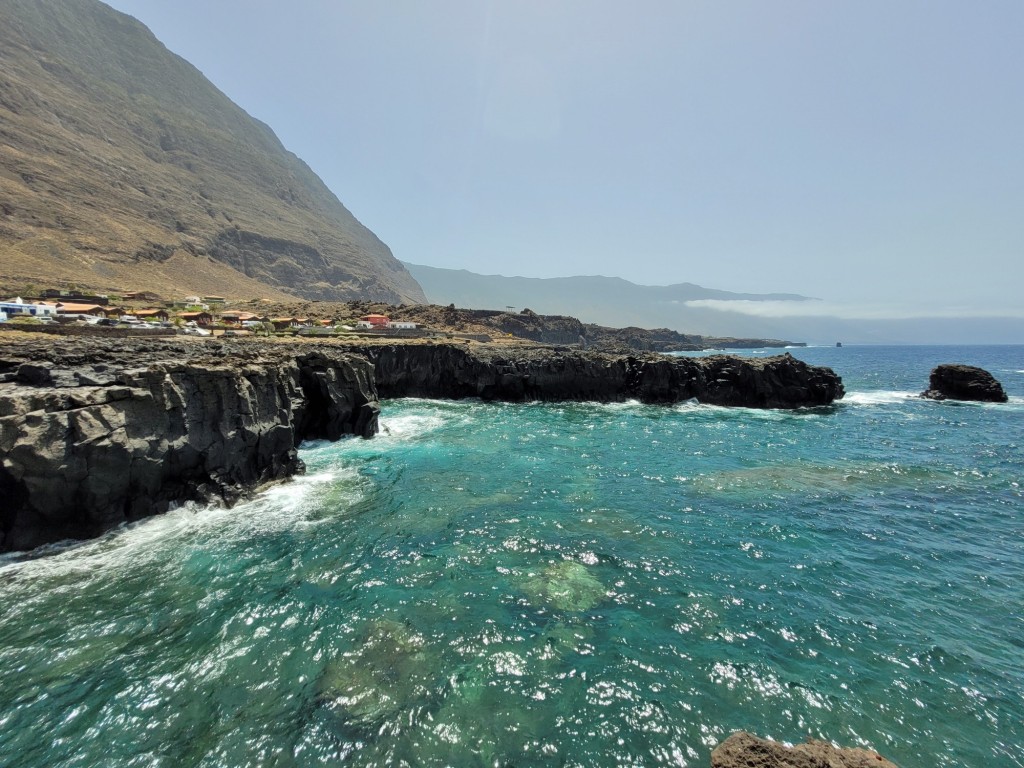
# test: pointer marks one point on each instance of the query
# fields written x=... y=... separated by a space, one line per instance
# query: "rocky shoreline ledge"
x=455 y=371
x=95 y=433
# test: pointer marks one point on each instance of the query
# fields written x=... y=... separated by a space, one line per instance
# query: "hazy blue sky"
x=869 y=153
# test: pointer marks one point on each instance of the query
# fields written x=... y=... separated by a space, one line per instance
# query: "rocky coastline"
x=93 y=435
x=98 y=432
x=554 y=374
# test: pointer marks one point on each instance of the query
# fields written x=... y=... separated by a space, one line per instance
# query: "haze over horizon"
x=867 y=155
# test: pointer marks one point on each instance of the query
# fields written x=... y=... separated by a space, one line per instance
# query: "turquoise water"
x=492 y=585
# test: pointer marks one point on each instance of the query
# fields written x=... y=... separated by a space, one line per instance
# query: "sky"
x=870 y=153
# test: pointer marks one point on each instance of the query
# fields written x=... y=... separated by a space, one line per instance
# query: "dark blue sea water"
x=580 y=585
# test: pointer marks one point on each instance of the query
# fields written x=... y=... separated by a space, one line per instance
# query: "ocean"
x=559 y=585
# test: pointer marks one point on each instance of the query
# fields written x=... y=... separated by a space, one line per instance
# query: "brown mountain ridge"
x=123 y=167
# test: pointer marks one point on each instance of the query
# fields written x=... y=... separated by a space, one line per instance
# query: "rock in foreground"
x=743 y=750
x=93 y=435
x=964 y=382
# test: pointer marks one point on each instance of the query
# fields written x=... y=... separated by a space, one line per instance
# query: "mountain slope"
x=121 y=164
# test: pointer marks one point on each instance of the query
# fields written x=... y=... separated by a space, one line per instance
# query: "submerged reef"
x=98 y=432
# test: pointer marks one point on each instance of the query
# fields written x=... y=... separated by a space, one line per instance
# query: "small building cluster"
x=383 y=322
x=191 y=314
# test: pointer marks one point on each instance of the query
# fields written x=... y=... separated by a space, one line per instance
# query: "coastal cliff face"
x=99 y=434
x=453 y=371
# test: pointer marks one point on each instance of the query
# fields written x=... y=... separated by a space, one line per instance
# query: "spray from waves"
x=410 y=426
x=729 y=414
x=616 y=407
x=420 y=417
x=289 y=505
x=878 y=397
x=893 y=397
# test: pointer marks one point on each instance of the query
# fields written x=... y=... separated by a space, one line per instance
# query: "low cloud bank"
x=823 y=309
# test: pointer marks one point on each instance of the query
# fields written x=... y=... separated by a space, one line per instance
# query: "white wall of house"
x=18 y=308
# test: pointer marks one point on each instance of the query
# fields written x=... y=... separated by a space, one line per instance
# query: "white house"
x=17 y=307
x=401 y=325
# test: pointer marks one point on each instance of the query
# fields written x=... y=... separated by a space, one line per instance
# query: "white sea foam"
x=411 y=425
x=279 y=507
x=890 y=397
x=728 y=413
x=625 y=405
x=878 y=397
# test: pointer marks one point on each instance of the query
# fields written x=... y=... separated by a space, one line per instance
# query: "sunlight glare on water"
x=557 y=584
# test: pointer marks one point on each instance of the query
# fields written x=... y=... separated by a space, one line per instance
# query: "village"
x=190 y=315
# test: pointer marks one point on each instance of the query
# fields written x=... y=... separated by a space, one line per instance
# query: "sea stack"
x=964 y=382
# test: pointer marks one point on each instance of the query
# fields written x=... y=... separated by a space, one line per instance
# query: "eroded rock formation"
x=963 y=382
x=743 y=750
x=95 y=434
x=456 y=371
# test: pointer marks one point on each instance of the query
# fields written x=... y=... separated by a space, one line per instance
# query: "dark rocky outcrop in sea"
x=98 y=432
x=457 y=371
x=964 y=382
x=743 y=750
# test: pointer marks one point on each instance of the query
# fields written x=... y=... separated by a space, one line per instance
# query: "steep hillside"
x=122 y=166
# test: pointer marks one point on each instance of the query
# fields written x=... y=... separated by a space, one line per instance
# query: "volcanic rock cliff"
x=122 y=167
x=101 y=433
x=96 y=432
x=455 y=371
